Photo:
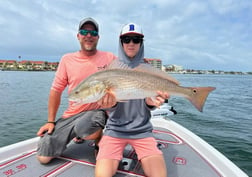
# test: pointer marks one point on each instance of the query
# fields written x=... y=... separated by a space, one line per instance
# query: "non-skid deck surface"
x=79 y=160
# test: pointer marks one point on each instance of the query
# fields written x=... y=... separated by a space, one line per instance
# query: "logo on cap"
x=131 y=27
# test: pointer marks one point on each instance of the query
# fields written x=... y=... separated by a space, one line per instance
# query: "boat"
x=186 y=155
x=165 y=110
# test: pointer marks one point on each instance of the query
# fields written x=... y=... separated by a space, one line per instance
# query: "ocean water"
x=226 y=121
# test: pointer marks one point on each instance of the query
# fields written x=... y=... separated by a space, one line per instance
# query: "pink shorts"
x=112 y=148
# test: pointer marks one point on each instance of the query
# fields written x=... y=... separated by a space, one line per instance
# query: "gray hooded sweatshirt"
x=130 y=119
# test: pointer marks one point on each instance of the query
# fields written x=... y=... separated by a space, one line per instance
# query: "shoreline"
x=204 y=72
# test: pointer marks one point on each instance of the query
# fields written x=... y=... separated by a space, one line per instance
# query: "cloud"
x=196 y=34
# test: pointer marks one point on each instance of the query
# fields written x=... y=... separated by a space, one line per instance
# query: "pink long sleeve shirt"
x=72 y=69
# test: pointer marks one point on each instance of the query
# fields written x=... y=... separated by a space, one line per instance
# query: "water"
x=226 y=122
x=23 y=104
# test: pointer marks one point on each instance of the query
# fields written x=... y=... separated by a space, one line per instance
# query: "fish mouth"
x=73 y=99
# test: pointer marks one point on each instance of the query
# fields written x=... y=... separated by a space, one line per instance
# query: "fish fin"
x=116 y=64
x=143 y=67
x=199 y=97
x=155 y=71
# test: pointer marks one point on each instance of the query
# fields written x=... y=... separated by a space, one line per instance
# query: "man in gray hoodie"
x=129 y=122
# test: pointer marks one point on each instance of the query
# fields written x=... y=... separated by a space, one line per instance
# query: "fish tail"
x=199 y=96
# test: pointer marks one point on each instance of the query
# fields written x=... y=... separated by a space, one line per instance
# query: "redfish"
x=135 y=83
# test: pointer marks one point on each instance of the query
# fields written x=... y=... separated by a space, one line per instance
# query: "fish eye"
x=76 y=92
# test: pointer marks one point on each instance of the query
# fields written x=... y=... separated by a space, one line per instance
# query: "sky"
x=195 y=34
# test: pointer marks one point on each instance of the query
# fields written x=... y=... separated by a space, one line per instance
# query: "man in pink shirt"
x=85 y=121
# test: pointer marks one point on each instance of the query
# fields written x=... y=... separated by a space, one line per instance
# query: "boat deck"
x=182 y=159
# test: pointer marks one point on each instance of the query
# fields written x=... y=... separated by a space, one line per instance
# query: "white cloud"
x=188 y=33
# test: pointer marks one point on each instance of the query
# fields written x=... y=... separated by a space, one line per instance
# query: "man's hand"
x=158 y=100
x=48 y=127
x=108 y=100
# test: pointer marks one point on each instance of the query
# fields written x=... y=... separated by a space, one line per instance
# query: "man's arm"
x=53 y=105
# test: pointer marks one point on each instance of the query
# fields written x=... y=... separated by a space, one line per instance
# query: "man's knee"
x=95 y=135
x=44 y=159
x=90 y=125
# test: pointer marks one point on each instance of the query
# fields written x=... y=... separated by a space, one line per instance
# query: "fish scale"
x=137 y=83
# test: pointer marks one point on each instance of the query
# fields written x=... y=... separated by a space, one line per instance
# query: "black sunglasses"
x=91 y=32
x=135 y=39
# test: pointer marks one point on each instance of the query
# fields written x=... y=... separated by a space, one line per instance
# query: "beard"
x=87 y=47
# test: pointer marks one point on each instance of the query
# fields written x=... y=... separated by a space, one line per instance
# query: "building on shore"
x=173 y=68
x=157 y=63
x=28 y=65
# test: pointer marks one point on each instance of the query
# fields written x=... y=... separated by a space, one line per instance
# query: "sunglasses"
x=135 y=39
x=91 y=32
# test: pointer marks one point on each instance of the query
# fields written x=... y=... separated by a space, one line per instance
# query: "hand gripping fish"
x=134 y=83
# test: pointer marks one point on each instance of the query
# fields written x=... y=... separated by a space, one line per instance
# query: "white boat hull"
x=185 y=153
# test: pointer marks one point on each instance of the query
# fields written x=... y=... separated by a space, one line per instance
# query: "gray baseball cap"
x=89 y=20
